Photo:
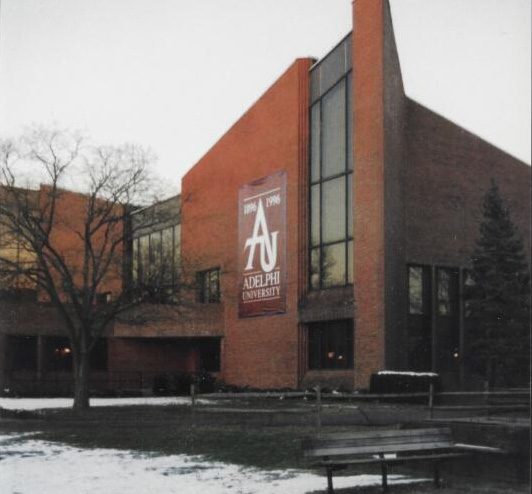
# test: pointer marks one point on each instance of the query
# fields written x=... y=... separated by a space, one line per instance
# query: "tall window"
x=419 y=318
x=447 y=291
x=331 y=172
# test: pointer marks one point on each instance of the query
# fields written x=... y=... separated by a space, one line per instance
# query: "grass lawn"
x=168 y=430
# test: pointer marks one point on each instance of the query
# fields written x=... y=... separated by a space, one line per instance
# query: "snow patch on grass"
x=44 y=403
x=32 y=466
x=406 y=373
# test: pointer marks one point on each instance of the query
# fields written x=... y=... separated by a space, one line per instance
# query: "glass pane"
x=135 y=259
x=177 y=244
x=315 y=143
x=315 y=269
x=336 y=345
x=331 y=345
x=167 y=255
x=144 y=247
x=333 y=212
x=350 y=273
x=214 y=292
x=444 y=292
x=349 y=125
x=349 y=52
x=415 y=289
x=350 y=205
x=333 y=131
x=333 y=265
x=469 y=286
x=315 y=215
x=315 y=92
x=155 y=257
x=332 y=67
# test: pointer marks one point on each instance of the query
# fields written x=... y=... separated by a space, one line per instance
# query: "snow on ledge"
x=406 y=373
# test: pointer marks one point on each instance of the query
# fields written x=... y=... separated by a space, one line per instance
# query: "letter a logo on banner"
x=262 y=269
x=261 y=236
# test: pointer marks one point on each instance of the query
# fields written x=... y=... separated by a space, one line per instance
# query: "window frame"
x=140 y=273
x=347 y=174
x=322 y=338
x=204 y=283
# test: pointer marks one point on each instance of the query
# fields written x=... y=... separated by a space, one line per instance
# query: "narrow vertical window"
x=331 y=183
x=415 y=289
x=167 y=256
x=419 y=329
x=135 y=260
x=144 y=258
x=208 y=286
x=447 y=291
x=315 y=142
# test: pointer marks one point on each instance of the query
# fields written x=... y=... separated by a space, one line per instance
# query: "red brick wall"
x=270 y=136
x=449 y=171
x=155 y=355
x=70 y=218
x=369 y=234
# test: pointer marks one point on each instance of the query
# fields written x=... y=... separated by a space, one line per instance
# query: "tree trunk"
x=81 y=381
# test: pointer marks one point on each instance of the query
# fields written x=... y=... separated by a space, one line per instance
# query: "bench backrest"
x=383 y=441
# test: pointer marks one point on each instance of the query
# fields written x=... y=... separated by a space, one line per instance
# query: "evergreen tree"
x=499 y=297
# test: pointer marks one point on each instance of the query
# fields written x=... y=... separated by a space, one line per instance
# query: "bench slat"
x=371 y=441
x=387 y=433
x=401 y=459
x=392 y=448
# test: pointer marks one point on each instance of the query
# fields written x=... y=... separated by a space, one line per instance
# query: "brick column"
x=369 y=191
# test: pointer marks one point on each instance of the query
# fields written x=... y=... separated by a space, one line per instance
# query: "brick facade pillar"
x=368 y=184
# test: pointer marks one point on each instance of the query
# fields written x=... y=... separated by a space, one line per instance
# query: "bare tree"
x=72 y=244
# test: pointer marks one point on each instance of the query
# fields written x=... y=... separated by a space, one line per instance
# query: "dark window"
x=447 y=283
x=98 y=355
x=447 y=330
x=209 y=286
x=58 y=354
x=419 y=318
x=469 y=285
x=419 y=290
x=210 y=354
x=331 y=198
x=415 y=289
x=23 y=352
x=330 y=345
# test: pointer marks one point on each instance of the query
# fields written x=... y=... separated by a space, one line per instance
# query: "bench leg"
x=437 y=482
x=384 y=470
x=330 y=489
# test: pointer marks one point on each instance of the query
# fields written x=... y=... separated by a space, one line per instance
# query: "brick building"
x=324 y=237
x=381 y=209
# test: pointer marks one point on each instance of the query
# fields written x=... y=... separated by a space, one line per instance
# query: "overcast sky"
x=174 y=75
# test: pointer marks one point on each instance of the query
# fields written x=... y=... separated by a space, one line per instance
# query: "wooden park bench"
x=339 y=450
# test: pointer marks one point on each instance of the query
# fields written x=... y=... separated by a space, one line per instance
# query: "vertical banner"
x=262 y=246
